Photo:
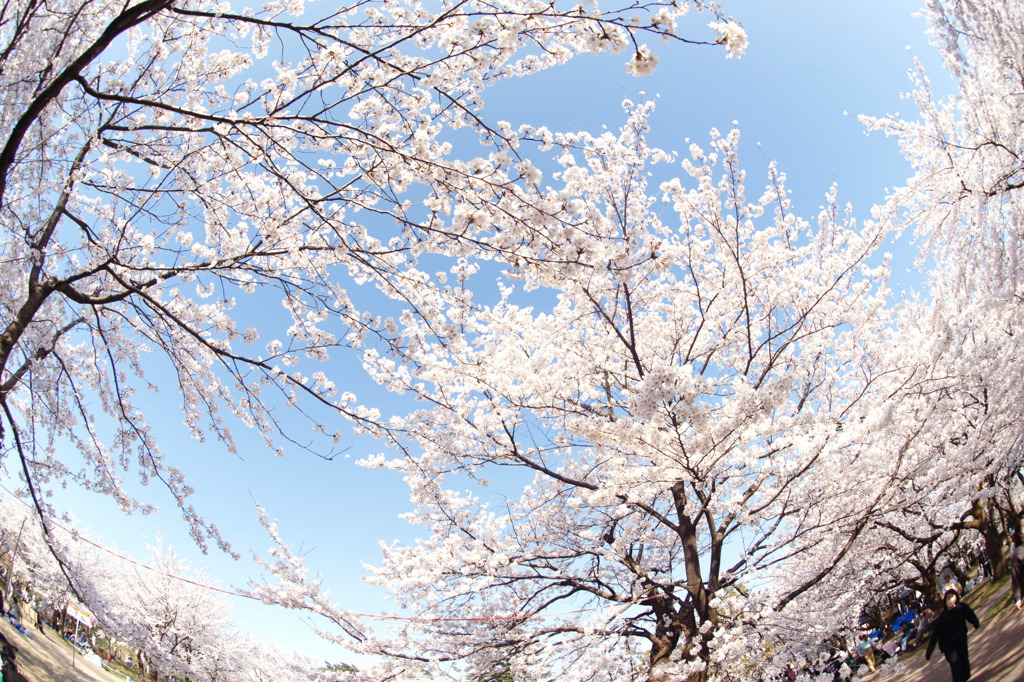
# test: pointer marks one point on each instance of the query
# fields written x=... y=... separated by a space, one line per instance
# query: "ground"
x=43 y=658
x=995 y=648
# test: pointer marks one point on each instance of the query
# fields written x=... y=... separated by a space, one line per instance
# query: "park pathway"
x=41 y=658
x=996 y=650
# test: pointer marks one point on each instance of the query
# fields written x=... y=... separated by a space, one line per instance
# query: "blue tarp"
x=905 y=618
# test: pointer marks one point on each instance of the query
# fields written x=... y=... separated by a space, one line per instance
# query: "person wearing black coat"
x=1017 y=569
x=9 y=669
x=950 y=633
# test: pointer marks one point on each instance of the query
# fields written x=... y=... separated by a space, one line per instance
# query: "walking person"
x=1017 y=568
x=950 y=633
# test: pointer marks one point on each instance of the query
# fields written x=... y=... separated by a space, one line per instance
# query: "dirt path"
x=44 y=659
x=996 y=649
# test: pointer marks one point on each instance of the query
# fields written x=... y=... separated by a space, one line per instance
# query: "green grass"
x=67 y=645
x=121 y=669
x=984 y=592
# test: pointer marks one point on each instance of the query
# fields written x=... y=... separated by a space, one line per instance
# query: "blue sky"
x=808 y=63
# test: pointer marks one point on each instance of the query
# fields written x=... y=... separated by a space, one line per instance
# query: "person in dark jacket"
x=1017 y=569
x=950 y=633
x=8 y=667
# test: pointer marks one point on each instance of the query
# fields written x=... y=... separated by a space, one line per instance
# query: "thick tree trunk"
x=928 y=586
x=673 y=625
x=990 y=530
x=994 y=549
x=983 y=520
x=680 y=626
x=702 y=676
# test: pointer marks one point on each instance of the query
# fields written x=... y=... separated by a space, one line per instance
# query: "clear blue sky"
x=807 y=64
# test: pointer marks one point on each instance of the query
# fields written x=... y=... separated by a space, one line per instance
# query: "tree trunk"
x=983 y=520
x=703 y=676
x=928 y=586
x=993 y=535
x=960 y=573
x=996 y=556
x=1012 y=516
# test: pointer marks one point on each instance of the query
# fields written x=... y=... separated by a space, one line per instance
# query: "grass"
x=1000 y=607
x=983 y=593
x=117 y=674
x=120 y=669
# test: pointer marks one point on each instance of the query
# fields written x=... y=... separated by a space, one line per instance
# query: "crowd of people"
x=914 y=623
x=909 y=625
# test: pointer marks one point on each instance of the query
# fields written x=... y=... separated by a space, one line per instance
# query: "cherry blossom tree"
x=956 y=392
x=156 y=164
x=953 y=398
x=176 y=624
x=658 y=438
x=954 y=423
x=164 y=610
x=181 y=626
x=685 y=414
x=964 y=199
x=964 y=206
x=690 y=426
